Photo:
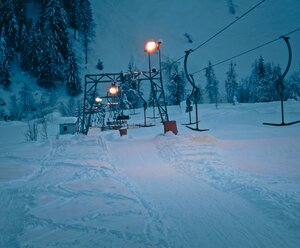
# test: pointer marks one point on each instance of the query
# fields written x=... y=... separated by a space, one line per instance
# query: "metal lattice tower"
x=96 y=85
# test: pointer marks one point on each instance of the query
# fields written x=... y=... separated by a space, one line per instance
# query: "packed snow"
x=236 y=185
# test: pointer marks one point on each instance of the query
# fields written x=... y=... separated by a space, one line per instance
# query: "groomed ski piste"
x=237 y=185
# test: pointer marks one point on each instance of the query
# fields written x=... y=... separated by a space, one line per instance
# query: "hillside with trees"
x=54 y=42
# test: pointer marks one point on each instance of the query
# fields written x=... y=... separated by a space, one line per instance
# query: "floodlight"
x=151 y=46
x=113 y=89
x=98 y=99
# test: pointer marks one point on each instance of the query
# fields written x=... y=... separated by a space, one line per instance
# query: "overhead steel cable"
x=223 y=29
x=294 y=31
x=248 y=51
x=229 y=25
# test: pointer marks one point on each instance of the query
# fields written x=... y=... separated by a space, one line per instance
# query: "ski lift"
x=280 y=87
x=195 y=92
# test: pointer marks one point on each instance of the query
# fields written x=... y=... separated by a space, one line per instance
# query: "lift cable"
x=223 y=29
x=248 y=51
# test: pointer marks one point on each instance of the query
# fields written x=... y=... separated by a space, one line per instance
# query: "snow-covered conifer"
x=8 y=22
x=275 y=75
x=176 y=81
x=292 y=88
x=21 y=23
x=263 y=81
x=176 y=88
x=131 y=87
x=4 y=64
x=54 y=25
x=212 y=84
x=73 y=83
x=86 y=25
x=243 y=90
x=26 y=98
x=73 y=12
x=46 y=77
x=231 y=82
x=12 y=20
x=24 y=54
x=32 y=50
x=262 y=75
x=256 y=79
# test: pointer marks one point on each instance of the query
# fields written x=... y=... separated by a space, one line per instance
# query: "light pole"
x=157 y=88
x=160 y=75
x=150 y=47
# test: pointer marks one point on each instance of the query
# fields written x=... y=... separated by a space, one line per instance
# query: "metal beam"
x=95 y=81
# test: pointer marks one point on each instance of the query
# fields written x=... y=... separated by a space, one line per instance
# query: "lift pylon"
x=96 y=85
x=195 y=92
x=280 y=87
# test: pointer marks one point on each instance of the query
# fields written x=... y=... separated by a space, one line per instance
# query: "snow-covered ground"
x=237 y=185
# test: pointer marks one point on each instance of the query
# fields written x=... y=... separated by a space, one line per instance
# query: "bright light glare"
x=98 y=99
x=113 y=90
x=151 y=46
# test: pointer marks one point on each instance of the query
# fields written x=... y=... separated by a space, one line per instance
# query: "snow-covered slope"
x=124 y=26
x=236 y=185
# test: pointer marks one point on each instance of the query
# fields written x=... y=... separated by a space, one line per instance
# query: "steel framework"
x=96 y=85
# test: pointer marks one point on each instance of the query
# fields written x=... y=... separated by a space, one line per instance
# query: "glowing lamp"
x=98 y=99
x=151 y=46
x=113 y=90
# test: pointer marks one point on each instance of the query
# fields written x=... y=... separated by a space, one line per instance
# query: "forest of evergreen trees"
x=260 y=86
x=43 y=47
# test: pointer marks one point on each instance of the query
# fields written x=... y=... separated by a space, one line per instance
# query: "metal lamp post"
x=157 y=88
x=150 y=47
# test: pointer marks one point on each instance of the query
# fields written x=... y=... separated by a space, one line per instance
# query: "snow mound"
x=206 y=138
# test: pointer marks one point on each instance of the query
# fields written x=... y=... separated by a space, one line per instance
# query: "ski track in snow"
x=83 y=194
x=157 y=229
x=48 y=207
x=200 y=158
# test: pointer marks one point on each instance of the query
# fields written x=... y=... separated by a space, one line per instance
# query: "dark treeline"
x=43 y=46
x=260 y=86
